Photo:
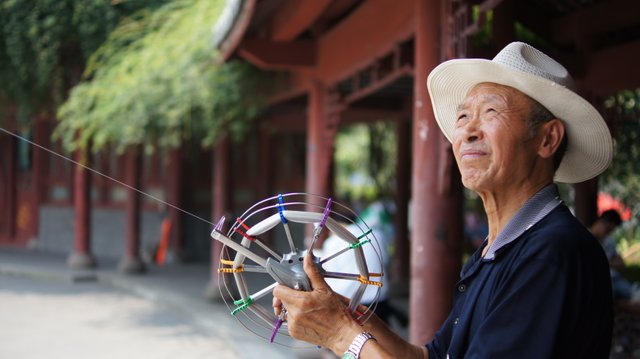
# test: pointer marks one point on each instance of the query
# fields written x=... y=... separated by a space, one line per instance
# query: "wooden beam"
x=295 y=121
x=289 y=121
x=370 y=32
x=273 y=55
x=613 y=69
x=364 y=115
x=379 y=84
x=294 y=17
x=600 y=18
x=295 y=85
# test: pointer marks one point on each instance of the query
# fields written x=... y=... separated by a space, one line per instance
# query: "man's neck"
x=501 y=206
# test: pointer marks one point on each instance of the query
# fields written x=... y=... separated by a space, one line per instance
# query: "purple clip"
x=276 y=327
x=219 y=225
x=326 y=213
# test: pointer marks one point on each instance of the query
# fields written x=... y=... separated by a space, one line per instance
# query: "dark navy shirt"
x=542 y=290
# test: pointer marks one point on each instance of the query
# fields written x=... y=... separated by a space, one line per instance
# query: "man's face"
x=491 y=140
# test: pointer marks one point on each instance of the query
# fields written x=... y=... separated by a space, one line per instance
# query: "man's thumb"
x=313 y=272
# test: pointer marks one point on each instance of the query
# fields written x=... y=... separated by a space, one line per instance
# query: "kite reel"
x=266 y=246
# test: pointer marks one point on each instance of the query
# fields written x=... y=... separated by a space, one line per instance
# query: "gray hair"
x=539 y=115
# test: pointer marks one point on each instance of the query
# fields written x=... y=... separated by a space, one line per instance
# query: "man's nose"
x=472 y=130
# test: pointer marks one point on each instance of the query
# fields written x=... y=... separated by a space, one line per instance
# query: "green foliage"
x=365 y=158
x=622 y=179
x=632 y=272
x=155 y=82
x=482 y=38
x=44 y=42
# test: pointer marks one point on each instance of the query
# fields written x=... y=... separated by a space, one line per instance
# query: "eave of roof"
x=232 y=25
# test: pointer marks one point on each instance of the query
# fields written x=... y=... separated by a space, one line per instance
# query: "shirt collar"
x=534 y=210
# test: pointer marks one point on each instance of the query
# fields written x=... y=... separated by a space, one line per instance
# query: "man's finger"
x=277 y=306
x=281 y=292
x=316 y=279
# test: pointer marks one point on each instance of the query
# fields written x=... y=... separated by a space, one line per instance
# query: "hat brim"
x=590 y=146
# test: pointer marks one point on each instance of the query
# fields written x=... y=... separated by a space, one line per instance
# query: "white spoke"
x=254 y=269
x=334 y=255
x=239 y=248
x=264 y=291
x=289 y=237
x=339 y=275
x=266 y=248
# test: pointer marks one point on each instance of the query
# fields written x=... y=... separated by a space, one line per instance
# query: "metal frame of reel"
x=249 y=306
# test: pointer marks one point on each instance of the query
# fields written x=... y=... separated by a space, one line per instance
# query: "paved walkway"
x=178 y=285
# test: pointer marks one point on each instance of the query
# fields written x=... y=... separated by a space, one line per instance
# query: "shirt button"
x=455 y=322
x=462 y=288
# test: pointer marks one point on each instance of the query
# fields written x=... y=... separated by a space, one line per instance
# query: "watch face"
x=348 y=355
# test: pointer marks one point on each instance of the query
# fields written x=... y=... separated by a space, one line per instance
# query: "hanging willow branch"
x=44 y=43
x=155 y=82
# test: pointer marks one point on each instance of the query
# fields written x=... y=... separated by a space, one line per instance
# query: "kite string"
x=106 y=176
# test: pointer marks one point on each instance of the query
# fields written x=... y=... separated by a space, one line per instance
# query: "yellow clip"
x=229 y=270
x=364 y=280
x=375 y=274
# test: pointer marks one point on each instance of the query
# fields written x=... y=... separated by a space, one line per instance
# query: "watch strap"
x=356 y=345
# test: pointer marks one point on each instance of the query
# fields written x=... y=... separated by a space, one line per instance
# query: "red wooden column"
x=174 y=196
x=318 y=153
x=504 y=31
x=266 y=154
x=220 y=207
x=322 y=120
x=586 y=193
x=403 y=194
x=130 y=262
x=81 y=256
x=40 y=168
x=436 y=224
x=587 y=201
x=7 y=188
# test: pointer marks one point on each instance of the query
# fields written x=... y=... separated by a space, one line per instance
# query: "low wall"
x=108 y=226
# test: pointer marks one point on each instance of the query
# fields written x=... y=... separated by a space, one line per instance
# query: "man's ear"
x=552 y=133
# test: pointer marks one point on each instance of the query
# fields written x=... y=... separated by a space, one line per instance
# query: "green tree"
x=156 y=82
x=365 y=161
x=44 y=45
x=622 y=179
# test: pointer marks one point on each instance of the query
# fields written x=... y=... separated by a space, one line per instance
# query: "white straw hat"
x=535 y=74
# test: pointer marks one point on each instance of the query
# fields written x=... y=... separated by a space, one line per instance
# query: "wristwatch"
x=356 y=346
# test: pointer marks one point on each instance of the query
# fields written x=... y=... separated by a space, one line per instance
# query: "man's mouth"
x=471 y=153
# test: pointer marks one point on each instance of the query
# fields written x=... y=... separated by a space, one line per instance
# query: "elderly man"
x=539 y=285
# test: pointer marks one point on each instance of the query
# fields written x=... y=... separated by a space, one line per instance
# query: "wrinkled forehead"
x=489 y=92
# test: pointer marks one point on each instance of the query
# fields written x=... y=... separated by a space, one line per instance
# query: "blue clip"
x=280 y=207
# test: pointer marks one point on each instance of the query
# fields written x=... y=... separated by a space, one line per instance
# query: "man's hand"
x=319 y=317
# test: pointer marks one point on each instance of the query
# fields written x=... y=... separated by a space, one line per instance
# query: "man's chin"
x=473 y=183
